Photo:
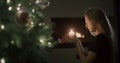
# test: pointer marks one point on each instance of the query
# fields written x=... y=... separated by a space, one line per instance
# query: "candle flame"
x=78 y=35
x=74 y=34
x=71 y=33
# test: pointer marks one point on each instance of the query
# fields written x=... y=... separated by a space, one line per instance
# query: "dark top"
x=103 y=48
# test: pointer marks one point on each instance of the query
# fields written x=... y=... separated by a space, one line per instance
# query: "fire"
x=74 y=34
x=71 y=33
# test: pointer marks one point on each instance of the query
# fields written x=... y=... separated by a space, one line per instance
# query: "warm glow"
x=75 y=34
x=71 y=33
x=78 y=35
x=37 y=1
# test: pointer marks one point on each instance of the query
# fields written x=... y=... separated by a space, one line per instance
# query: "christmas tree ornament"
x=24 y=19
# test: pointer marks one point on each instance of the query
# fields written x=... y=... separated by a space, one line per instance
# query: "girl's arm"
x=90 y=58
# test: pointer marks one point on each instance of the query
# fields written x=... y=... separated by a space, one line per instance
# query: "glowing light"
x=19 y=4
x=31 y=23
x=8 y=1
x=10 y=8
x=12 y=42
x=49 y=44
x=37 y=1
x=71 y=33
x=83 y=36
x=42 y=40
x=2 y=27
x=78 y=35
x=18 y=8
x=2 y=60
x=33 y=10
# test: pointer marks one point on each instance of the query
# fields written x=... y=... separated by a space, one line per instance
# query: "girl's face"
x=90 y=24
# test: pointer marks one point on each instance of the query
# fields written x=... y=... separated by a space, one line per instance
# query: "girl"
x=101 y=50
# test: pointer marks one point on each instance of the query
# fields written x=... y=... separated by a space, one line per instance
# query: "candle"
x=78 y=35
x=71 y=33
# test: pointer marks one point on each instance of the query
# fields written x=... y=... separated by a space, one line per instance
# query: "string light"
x=18 y=8
x=2 y=60
x=8 y=1
x=49 y=44
x=10 y=8
x=19 y=4
x=33 y=10
x=12 y=42
x=42 y=41
x=31 y=24
x=37 y=1
x=40 y=24
x=2 y=27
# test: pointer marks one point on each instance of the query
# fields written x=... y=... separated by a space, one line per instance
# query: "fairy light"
x=8 y=1
x=37 y=1
x=33 y=10
x=12 y=42
x=42 y=40
x=19 y=4
x=31 y=24
x=2 y=60
x=18 y=8
x=40 y=24
x=2 y=27
x=10 y=8
x=49 y=44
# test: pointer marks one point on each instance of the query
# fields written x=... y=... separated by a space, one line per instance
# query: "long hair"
x=98 y=15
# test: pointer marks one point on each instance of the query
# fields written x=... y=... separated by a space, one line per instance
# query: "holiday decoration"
x=24 y=35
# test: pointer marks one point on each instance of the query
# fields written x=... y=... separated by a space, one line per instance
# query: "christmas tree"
x=24 y=35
